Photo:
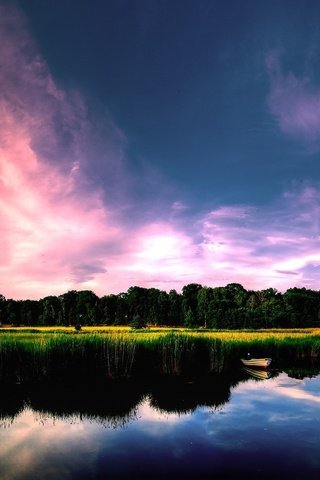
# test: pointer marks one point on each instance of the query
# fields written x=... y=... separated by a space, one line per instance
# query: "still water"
x=222 y=428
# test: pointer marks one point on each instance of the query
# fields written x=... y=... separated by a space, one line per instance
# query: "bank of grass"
x=31 y=354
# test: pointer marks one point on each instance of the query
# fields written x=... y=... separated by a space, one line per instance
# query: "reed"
x=29 y=357
x=63 y=354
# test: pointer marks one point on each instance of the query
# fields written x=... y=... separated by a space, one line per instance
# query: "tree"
x=229 y=307
x=12 y=312
x=29 y=312
x=107 y=309
x=189 y=319
x=204 y=300
x=137 y=301
x=174 y=308
x=163 y=308
x=154 y=307
x=86 y=307
x=302 y=307
x=2 y=309
x=69 y=307
x=122 y=310
x=138 y=322
x=190 y=302
x=50 y=308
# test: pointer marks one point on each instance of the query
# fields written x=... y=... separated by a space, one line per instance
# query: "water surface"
x=222 y=428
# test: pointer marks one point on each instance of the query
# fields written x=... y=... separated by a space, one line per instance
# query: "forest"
x=228 y=307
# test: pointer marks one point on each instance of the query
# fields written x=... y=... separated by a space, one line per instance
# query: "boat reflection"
x=259 y=374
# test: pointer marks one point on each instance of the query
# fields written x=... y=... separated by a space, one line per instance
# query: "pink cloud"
x=259 y=247
x=60 y=231
x=295 y=103
x=52 y=221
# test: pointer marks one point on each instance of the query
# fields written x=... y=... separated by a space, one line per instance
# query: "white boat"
x=256 y=362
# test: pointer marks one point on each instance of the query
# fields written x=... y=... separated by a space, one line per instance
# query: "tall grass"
x=34 y=356
x=69 y=355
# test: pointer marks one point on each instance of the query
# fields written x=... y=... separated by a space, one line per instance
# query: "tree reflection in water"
x=115 y=403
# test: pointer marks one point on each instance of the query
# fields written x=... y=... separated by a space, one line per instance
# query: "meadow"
x=100 y=353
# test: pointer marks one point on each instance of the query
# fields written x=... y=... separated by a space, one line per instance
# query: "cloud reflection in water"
x=275 y=422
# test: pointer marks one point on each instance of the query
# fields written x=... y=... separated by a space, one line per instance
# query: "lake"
x=223 y=427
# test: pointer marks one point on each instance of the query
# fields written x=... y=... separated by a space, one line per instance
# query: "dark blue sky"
x=187 y=83
x=193 y=107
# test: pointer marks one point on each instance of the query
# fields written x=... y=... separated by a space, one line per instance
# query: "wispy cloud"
x=271 y=245
x=295 y=102
x=53 y=220
x=62 y=227
x=276 y=245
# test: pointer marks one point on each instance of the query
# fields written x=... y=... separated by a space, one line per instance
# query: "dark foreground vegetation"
x=80 y=357
x=229 y=307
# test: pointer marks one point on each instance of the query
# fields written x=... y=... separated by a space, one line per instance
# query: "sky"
x=158 y=143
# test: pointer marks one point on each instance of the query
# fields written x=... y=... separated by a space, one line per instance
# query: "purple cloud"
x=294 y=102
x=60 y=230
x=265 y=246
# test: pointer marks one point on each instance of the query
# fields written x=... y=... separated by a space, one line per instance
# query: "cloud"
x=163 y=254
x=68 y=219
x=54 y=121
x=178 y=207
x=287 y=272
x=53 y=219
x=298 y=394
x=266 y=246
x=38 y=440
x=295 y=102
x=276 y=245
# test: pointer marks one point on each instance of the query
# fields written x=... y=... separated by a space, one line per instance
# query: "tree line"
x=228 y=307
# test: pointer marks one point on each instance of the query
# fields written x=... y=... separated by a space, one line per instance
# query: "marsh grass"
x=28 y=355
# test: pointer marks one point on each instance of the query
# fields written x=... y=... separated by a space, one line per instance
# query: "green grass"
x=112 y=352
